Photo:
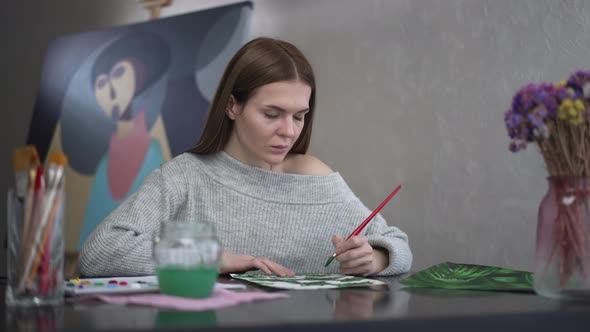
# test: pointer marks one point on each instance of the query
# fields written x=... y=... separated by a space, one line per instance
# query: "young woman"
x=274 y=207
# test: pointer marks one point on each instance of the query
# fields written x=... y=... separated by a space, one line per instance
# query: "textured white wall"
x=410 y=91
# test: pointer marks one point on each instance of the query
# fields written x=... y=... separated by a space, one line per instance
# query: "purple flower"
x=516 y=101
x=527 y=103
x=578 y=81
x=540 y=95
x=536 y=118
x=562 y=93
x=535 y=104
x=512 y=119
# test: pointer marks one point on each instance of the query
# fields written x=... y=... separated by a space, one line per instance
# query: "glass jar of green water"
x=187 y=257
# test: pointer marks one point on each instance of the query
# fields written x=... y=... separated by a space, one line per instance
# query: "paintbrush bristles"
x=24 y=161
x=25 y=158
x=57 y=158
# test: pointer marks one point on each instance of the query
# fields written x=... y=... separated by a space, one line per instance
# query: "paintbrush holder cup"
x=562 y=260
x=35 y=254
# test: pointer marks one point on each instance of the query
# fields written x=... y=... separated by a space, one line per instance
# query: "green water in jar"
x=185 y=282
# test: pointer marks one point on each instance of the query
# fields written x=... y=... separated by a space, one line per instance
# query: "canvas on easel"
x=120 y=102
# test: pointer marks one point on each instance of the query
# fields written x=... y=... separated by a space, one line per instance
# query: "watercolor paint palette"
x=79 y=286
x=118 y=285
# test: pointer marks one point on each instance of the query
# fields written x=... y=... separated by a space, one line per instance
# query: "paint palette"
x=80 y=286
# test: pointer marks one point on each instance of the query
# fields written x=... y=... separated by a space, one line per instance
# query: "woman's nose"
x=287 y=128
x=112 y=91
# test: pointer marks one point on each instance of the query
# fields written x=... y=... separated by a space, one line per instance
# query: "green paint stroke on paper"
x=471 y=277
x=308 y=281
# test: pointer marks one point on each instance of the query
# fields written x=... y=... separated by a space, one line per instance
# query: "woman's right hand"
x=234 y=263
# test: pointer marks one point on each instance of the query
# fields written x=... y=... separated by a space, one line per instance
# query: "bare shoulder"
x=307 y=165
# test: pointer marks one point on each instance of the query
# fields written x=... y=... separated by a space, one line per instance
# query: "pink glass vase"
x=562 y=261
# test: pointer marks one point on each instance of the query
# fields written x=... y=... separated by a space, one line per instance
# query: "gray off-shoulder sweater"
x=288 y=218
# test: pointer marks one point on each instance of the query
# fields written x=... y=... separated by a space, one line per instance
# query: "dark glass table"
x=380 y=308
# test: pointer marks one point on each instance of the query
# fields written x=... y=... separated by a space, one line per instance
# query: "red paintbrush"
x=358 y=230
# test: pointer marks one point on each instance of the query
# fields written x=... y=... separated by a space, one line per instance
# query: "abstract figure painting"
x=120 y=102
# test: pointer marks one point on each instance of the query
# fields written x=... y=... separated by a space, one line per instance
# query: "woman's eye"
x=271 y=116
x=119 y=71
x=298 y=118
x=101 y=81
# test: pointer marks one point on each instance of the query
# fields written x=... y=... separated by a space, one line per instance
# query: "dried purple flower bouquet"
x=556 y=116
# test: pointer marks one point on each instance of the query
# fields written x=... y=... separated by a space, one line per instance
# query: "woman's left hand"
x=357 y=257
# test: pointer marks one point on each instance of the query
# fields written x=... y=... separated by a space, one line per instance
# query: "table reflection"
x=37 y=319
x=363 y=303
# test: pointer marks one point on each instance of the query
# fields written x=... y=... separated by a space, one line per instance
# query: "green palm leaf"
x=471 y=276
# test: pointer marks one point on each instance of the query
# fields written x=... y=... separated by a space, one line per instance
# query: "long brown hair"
x=259 y=62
